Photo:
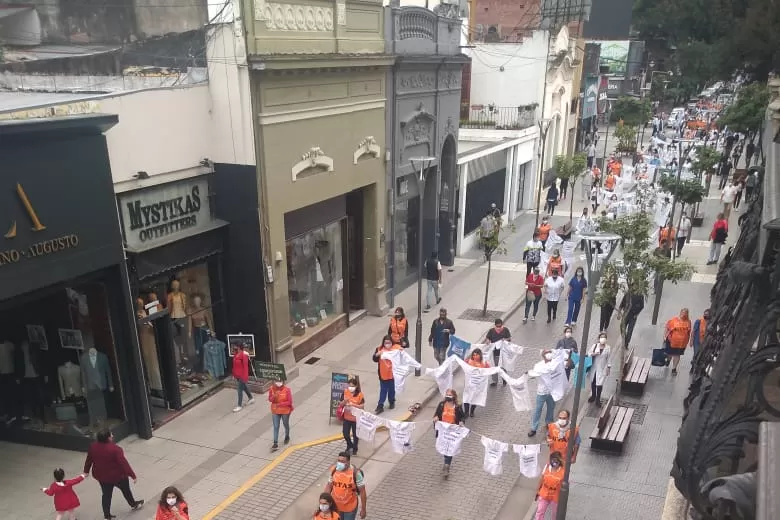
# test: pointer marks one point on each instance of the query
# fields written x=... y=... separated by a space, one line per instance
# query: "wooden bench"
x=612 y=428
x=635 y=372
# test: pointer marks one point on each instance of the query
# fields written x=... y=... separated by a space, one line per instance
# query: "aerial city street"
x=394 y=260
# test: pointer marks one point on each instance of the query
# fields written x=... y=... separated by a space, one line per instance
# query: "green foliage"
x=626 y=136
x=706 y=159
x=687 y=191
x=570 y=168
x=748 y=111
x=632 y=111
x=494 y=245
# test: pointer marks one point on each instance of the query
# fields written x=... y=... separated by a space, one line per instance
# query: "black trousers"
x=680 y=244
x=529 y=266
x=108 y=494
x=349 y=430
x=552 y=310
x=595 y=390
x=606 y=316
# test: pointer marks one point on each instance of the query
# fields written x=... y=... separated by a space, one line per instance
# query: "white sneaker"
x=533 y=318
x=237 y=408
x=251 y=401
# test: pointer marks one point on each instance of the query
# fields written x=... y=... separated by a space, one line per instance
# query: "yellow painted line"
x=265 y=471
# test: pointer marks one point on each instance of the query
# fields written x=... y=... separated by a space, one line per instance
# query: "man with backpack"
x=345 y=485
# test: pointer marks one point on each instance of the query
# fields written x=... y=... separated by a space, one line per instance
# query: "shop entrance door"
x=156 y=338
x=355 y=249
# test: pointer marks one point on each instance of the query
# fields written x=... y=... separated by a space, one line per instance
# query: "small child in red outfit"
x=65 y=499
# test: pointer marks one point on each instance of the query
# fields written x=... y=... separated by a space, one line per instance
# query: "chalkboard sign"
x=338 y=383
x=271 y=371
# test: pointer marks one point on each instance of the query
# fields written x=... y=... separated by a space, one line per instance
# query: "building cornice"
x=313 y=61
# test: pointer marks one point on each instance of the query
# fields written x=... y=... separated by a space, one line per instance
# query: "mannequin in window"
x=177 y=307
x=200 y=325
x=69 y=377
x=97 y=381
x=9 y=393
x=152 y=297
x=28 y=373
x=148 y=348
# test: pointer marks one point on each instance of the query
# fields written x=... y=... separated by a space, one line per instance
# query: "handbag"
x=530 y=296
x=659 y=358
x=340 y=412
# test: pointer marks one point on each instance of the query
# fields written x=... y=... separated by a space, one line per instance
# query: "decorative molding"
x=449 y=79
x=341 y=13
x=451 y=127
x=302 y=114
x=417 y=128
x=417 y=81
x=314 y=159
x=367 y=146
x=294 y=17
x=448 y=11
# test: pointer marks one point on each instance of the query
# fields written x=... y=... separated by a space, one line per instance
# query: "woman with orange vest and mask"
x=474 y=360
x=327 y=509
x=280 y=397
x=399 y=328
x=449 y=411
x=351 y=398
x=345 y=485
x=550 y=486
x=677 y=337
x=699 y=331
x=385 y=371
x=559 y=433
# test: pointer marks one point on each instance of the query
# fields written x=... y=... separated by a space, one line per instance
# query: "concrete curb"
x=675 y=505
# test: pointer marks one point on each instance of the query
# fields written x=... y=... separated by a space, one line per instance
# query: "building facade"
x=422 y=120
x=318 y=84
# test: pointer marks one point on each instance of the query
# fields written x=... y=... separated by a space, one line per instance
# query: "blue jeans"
x=528 y=304
x=283 y=418
x=352 y=515
x=574 y=311
x=386 y=391
x=433 y=287
x=242 y=388
x=542 y=400
x=447 y=459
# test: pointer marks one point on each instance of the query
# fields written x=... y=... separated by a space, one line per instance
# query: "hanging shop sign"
x=162 y=213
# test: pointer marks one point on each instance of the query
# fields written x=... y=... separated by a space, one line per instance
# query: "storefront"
x=69 y=358
x=175 y=243
x=425 y=86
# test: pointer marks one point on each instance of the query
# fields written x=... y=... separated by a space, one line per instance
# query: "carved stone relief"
x=419 y=81
x=367 y=146
x=341 y=13
x=294 y=17
x=418 y=127
x=449 y=79
x=451 y=128
x=312 y=162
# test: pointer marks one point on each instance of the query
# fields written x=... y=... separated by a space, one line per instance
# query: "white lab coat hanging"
x=600 y=356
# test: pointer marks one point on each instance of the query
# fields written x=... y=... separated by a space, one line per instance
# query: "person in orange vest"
x=667 y=235
x=559 y=433
x=385 y=371
x=550 y=486
x=699 y=331
x=449 y=411
x=677 y=337
x=351 y=398
x=399 y=328
x=609 y=182
x=280 y=397
x=474 y=360
x=327 y=508
x=544 y=231
x=556 y=263
x=345 y=485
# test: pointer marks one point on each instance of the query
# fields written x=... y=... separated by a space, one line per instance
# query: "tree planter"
x=698 y=220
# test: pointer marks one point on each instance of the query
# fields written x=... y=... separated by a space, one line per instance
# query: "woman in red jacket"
x=172 y=506
x=241 y=373
x=718 y=235
x=110 y=468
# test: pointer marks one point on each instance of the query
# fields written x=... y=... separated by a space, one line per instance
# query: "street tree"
x=632 y=111
x=492 y=244
x=707 y=158
x=747 y=112
x=626 y=136
x=636 y=269
x=685 y=191
x=570 y=168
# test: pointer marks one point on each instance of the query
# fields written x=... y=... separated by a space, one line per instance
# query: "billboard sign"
x=590 y=99
x=614 y=54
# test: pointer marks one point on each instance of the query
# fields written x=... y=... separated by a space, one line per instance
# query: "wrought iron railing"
x=731 y=391
x=499 y=118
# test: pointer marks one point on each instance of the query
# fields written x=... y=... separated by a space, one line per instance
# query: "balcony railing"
x=490 y=117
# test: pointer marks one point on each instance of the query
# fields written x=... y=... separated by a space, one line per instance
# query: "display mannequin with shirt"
x=69 y=378
x=97 y=381
x=200 y=325
x=177 y=307
x=148 y=347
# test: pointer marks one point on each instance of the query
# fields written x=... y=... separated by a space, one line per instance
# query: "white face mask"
x=562 y=422
x=548 y=357
x=388 y=346
x=352 y=389
x=171 y=501
x=324 y=507
x=603 y=341
x=567 y=334
x=278 y=384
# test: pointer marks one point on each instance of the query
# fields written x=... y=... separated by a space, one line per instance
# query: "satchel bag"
x=530 y=296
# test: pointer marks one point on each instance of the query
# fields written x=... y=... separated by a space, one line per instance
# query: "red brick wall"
x=511 y=18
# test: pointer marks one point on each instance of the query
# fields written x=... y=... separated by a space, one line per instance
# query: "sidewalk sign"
x=338 y=383
x=270 y=371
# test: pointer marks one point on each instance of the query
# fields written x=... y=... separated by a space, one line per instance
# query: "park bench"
x=635 y=372
x=612 y=427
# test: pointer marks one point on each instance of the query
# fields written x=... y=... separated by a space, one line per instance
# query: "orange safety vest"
x=609 y=182
x=702 y=329
x=385 y=365
x=615 y=168
x=666 y=234
x=544 y=231
x=351 y=400
x=448 y=413
x=283 y=394
x=478 y=364
x=344 y=491
x=554 y=440
x=551 y=483
x=321 y=516
x=398 y=329
x=555 y=265
x=678 y=332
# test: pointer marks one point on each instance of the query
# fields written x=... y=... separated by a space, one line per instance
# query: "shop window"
x=58 y=364
x=200 y=357
x=315 y=279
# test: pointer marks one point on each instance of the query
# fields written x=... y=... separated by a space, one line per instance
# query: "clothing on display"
x=443 y=375
x=69 y=376
x=494 y=455
x=151 y=359
x=214 y=357
x=96 y=376
x=403 y=364
x=477 y=379
x=401 y=436
x=366 y=425
x=449 y=438
x=529 y=459
x=520 y=393
x=7 y=357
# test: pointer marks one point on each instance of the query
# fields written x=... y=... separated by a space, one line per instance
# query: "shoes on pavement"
x=533 y=318
x=567 y=324
x=548 y=320
x=674 y=371
x=504 y=382
x=379 y=409
x=251 y=401
x=274 y=447
x=445 y=471
x=471 y=414
x=598 y=403
x=392 y=406
x=493 y=383
x=238 y=408
x=525 y=320
x=138 y=504
x=427 y=308
x=354 y=451
x=287 y=440
x=591 y=398
x=438 y=301
x=573 y=324
x=532 y=433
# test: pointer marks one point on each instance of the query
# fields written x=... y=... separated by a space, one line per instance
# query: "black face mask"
x=449 y=398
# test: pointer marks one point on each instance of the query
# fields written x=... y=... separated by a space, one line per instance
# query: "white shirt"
x=529 y=459
x=729 y=194
x=494 y=455
x=554 y=288
x=449 y=438
x=685 y=228
x=592 y=150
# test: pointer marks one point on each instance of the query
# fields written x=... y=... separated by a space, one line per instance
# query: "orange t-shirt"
x=385 y=365
x=352 y=400
x=551 y=483
x=678 y=332
x=478 y=364
x=609 y=182
x=321 y=516
x=544 y=231
x=448 y=414
x=555 y=264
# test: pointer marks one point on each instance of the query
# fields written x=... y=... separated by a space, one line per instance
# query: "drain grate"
x=640 y=411
x=476 y=315
x=311 y=360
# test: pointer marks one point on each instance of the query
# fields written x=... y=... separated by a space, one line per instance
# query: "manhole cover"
x=478 y=315
x=640 y=410
x=311 y=360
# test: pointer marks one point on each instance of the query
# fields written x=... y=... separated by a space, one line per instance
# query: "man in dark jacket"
x=632 y=310
x=441 y=330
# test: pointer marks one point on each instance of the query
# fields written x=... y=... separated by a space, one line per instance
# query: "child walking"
x=65 y=499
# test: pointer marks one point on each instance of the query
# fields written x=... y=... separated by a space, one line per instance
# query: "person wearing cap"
x=600 y=353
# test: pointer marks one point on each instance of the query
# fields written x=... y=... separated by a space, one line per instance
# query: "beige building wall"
x=336 y=117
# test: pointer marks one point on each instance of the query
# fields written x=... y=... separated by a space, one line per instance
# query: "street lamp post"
x=424 y=163
x=544 y=127
x=595 y=270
